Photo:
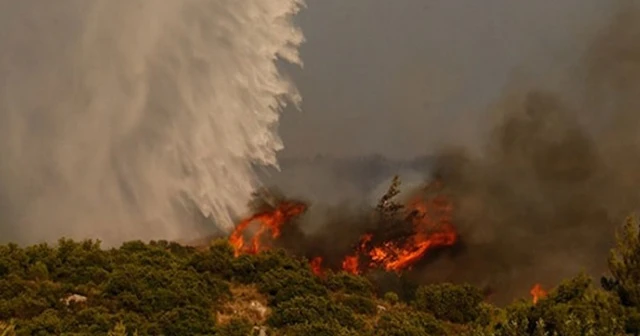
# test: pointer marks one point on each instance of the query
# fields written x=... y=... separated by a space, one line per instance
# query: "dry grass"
x=241 y=305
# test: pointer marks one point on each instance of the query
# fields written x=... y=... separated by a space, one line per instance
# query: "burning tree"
x=400 y=234
x=405 y=233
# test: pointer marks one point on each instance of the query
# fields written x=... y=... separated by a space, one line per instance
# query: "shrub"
x=573 y=308
x=281 y=285
x=235 y=327
x=391 y=297
x=359 y=304
x=407 y=323
x=300 y=310
x=318 y=329
x=449 y=302
x=187 y=321
x=349 y=283
x=218 y=260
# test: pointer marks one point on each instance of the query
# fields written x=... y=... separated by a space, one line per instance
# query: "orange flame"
x=430 y=219
x=351 y=264
x=269 y=221
x=432 y=227
x=537 y=293
x=316 y=266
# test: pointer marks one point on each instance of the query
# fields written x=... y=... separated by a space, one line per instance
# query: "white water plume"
x=115 y=115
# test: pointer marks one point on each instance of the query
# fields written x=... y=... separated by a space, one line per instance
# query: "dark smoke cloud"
x=543 y=199
x=560 y=169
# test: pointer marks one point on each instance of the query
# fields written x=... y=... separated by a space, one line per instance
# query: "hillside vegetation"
x=163 y=288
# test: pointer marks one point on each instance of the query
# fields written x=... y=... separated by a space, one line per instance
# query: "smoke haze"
x=402 y=78
x=119 y=117
x=559 y=174
x=540 y=198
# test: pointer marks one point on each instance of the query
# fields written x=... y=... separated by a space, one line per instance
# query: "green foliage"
x=624 y=266
x=574 y=308
x=449 y=302
x=303 y=309
x=150 y=288
x=118 y=330
x=163 y=288
x=235 y=327
x=391 y=297
x=250 y=268
x=282 y=284
x=623 y=263
x=349 y=283
x=217 y=260
x=359 y=304
x=318 y=329
x=191 y=320
x=408 y=323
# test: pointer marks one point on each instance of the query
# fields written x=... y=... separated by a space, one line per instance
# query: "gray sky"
x=400 y=77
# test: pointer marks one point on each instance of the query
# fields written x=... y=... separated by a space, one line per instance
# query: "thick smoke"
x=560 y=172
x=542 y=200
x=119 y=117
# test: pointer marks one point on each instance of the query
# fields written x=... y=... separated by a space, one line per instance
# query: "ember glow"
x=350 y=264
x=316 y=266
x=537 y=293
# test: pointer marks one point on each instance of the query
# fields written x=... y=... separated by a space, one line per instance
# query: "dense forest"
x=164 y=288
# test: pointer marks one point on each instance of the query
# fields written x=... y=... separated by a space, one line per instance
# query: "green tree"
x=624 y=263
x=624 y=266
x=575 y=307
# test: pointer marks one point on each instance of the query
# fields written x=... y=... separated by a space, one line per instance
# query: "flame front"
x=537 y=293
x=271 y=221
x=432 y=227
x=428 y=222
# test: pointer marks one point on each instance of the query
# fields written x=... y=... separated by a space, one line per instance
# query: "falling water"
x=117 y=115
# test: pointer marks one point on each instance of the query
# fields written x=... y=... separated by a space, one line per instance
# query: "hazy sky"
x=400 y=77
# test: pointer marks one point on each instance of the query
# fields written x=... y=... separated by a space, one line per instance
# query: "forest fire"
x=432 y=227
x=271 y=220
x=402 y=238
x=537 y=293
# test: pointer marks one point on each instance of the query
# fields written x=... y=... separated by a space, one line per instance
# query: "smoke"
x=119 y=118
x=542 y=199
x=560 y=171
